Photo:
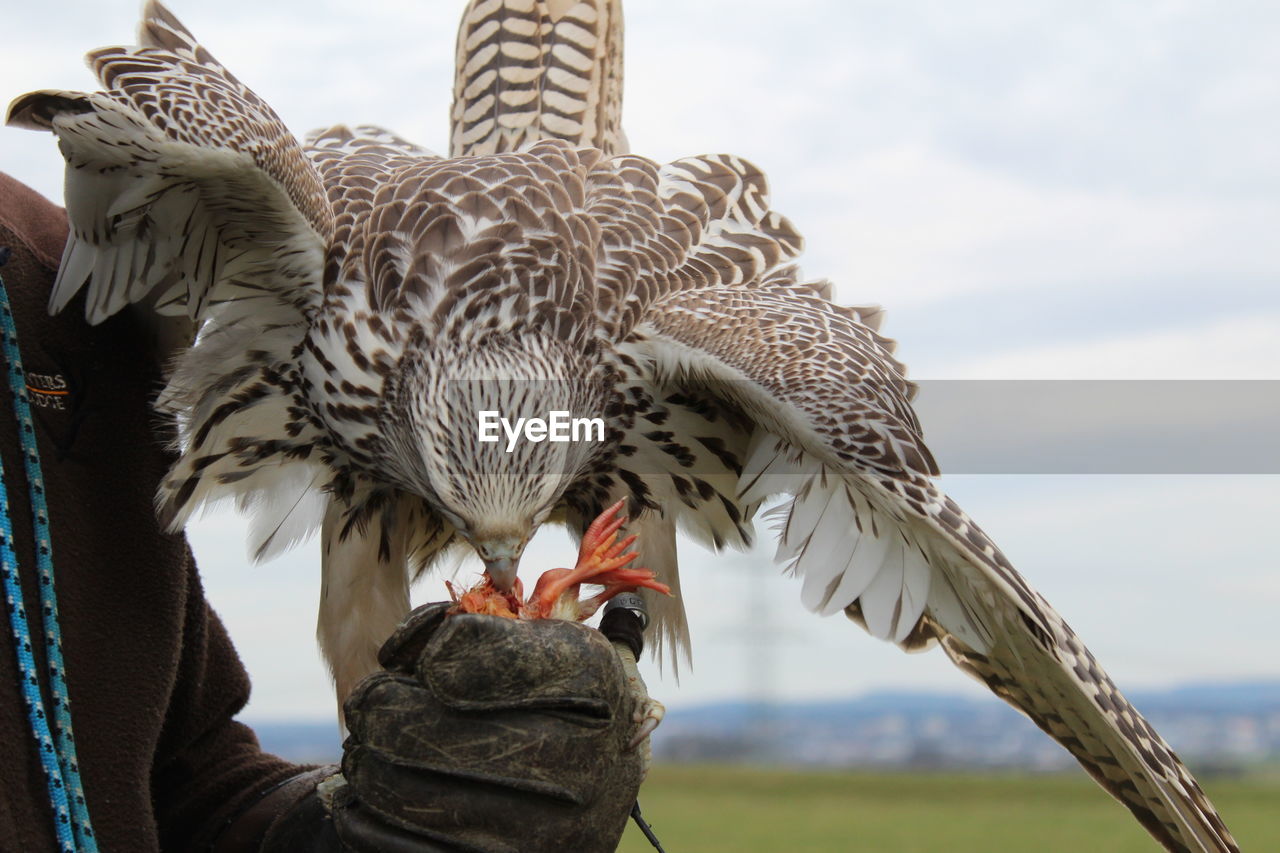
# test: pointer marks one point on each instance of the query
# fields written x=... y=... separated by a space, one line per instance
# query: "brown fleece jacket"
x=154 y=681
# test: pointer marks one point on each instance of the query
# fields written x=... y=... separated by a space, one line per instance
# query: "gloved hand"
x=483 y=734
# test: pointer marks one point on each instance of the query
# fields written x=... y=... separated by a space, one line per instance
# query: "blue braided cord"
x=30 y=682
x=58 y=754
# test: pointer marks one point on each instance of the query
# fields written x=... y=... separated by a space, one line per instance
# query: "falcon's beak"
x=501 y=557
x=502 y=571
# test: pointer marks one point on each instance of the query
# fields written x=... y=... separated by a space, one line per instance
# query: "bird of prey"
x=360 y=300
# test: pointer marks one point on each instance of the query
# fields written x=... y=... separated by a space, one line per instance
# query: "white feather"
x=768 y=470
x=77 y=264
x=668 y=624
x=134 y=198
x=917 y=577
x=882 y=595
x=362 y=598
x=287 y=512
x=867 y=555
x=847 y=549
x=821 y=561
x=951 y=608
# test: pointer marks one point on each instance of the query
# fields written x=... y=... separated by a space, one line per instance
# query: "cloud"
x=1229 y=348
x=1150 y=570
x=911 y=226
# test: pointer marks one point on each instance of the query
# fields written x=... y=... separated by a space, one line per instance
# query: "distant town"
x=1222 y=728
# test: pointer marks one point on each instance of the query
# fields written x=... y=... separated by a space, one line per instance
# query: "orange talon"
x=601 y=560
x=597 y=555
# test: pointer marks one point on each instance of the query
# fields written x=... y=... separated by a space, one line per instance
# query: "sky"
x=1045 y=190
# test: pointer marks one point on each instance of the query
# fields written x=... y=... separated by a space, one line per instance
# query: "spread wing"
x=182 y=186
x=827 y=421
x=538 y=69
x=186 y=192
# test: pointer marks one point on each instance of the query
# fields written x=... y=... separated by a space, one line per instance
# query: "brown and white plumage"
x=538 y=69
x=359 y=299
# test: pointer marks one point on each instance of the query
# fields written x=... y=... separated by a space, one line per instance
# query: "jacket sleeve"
x=209 y=768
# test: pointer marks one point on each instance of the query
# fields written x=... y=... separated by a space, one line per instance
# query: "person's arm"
x=208 y=767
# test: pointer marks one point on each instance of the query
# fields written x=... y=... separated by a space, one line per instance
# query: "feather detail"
x=287 y=512
x=530 y=70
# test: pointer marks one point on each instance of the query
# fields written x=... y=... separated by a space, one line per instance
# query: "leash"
x=624 y=621
x=645 y=828
x=57 y=748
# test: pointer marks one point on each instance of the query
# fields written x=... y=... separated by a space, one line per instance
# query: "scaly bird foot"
x=648 y=711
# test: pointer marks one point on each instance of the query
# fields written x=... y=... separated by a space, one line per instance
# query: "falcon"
x=358 y=301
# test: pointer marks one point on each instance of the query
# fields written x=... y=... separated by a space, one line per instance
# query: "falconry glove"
x=481 y=734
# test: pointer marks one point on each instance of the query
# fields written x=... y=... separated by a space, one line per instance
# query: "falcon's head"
x=492 y=434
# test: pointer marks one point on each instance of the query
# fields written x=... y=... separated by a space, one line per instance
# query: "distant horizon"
x=940 y=694
x=1225 y=725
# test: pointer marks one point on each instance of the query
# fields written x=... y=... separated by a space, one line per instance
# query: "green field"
x=704 y=809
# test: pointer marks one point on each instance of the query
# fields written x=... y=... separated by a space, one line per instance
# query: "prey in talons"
x=602 y=560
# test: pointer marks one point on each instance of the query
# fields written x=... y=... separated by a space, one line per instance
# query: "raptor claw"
x=647 y=727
